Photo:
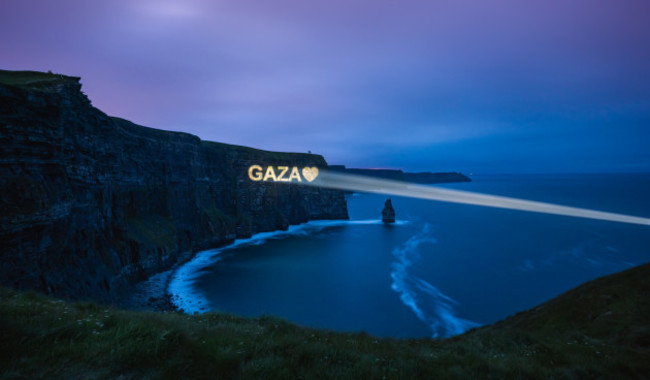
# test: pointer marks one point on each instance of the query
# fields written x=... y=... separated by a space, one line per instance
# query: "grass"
x=598 y=330
x=34 y=79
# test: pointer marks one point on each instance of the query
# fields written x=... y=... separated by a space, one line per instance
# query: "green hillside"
x=598 y=330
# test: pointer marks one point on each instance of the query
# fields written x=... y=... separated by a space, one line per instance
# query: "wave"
x=589 y=253
x=188 y=298
x=428 y=303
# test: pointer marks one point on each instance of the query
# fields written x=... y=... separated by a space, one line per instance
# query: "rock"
x=90 y=204
x=388 y=213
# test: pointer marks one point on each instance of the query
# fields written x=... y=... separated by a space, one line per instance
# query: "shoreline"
x=153 y=293
x=180 y=286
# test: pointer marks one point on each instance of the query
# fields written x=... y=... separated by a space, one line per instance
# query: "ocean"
x=442 y=269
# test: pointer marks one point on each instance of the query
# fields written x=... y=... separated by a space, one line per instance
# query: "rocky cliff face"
x=90 y=204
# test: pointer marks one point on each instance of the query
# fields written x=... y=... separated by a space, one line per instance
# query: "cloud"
x=354 y=78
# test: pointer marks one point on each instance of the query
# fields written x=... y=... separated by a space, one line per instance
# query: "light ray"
x=351 y=182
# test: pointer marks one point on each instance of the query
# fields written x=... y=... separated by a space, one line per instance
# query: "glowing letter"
x=270 y=173
x=295 y=174
x=282 y=173
x=255 y=172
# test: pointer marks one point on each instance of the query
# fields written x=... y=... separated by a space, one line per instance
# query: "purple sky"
x=475 y=86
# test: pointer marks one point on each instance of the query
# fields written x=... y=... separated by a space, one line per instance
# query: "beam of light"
x=351 y=182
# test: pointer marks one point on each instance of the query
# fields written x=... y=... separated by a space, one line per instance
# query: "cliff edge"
x=90 y=204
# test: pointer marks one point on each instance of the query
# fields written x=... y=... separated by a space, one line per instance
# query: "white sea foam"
x=182 y=284
x=427 y=302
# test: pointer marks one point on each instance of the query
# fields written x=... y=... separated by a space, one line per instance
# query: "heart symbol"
x=310 y=174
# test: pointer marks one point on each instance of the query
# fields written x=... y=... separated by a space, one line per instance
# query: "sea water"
x=441 y=269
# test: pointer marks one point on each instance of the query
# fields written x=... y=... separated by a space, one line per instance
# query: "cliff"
x=90 y=204
x=399 y=175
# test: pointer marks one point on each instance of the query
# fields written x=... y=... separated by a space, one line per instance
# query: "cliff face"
x=90 y=204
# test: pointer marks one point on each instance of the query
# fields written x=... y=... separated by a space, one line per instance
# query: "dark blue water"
x=445 y=268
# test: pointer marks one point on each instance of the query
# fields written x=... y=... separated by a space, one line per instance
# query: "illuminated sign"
x=282 y=173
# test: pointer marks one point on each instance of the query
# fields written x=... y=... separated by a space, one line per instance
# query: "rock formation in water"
x=388 y=213
x=90 y=203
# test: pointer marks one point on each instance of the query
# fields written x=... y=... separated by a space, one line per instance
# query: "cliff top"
x=49 y=82
x=278 y=156
x=36 y=80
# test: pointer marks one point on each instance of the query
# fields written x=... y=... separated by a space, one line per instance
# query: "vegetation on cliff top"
x=35 y=79
x=598 y=330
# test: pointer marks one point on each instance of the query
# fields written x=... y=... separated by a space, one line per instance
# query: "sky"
x=500 y=86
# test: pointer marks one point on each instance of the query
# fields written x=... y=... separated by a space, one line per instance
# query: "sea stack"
x=388 y=213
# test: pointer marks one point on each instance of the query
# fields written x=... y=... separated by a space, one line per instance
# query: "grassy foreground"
x=598 y=330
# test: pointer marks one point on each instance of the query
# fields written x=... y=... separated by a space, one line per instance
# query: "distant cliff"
x=399 y=175
x=91 y=203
